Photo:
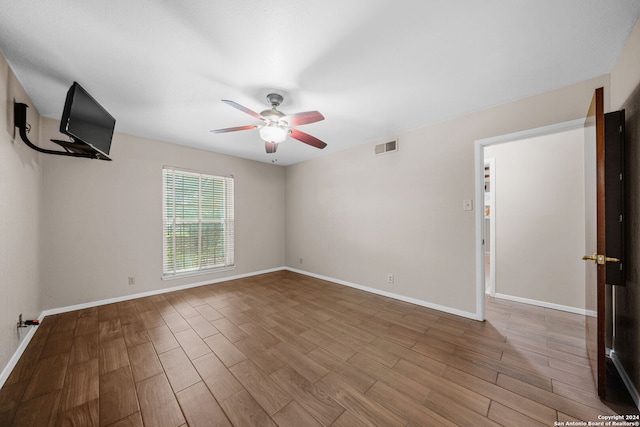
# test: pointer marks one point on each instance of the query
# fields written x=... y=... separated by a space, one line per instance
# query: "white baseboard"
x=155 y=292
x=545 y=304
x=415 y=301
x=625 y=379
x=6 y=371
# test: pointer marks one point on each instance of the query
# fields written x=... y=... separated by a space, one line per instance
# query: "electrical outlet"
x=132 y=281
x=301 y=260
x=467 y=205
x=390 y=279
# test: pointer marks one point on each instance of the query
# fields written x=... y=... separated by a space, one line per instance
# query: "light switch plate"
x=467 y=205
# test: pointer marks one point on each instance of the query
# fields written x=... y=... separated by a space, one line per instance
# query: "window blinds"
x=198 y=222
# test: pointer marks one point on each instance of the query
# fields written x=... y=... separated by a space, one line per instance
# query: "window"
x=198 y=222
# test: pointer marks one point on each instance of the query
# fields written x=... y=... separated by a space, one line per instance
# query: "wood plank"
x=217 y=377
x=301 y=363
x=151 y=319
x=158 y=404
x=144 y=362
x=209 y=313
x=113 y=355
x=358 y=379
x=225 y=350
x=481 y=371
x=265 y=391
x=134 y=334
x=192 y=344
x=81 y=385
x=471 y=399
x=320 y=339
x=38 y=412
x=243 y=410
x=362 y=406
x=117 y=396
x=162 y=339
x=348 y=419
x=133 y=420
x=313 y=400
x=265 y=359
x=507 y=416
x=86 y=414
x=175 y=322
x=259 y=334
x=499 y=394
x=200 y=408
x=47 y=377
x=456 y=411
x=202 y=326
x=110 y=329
x=393 y=378
x=233 y=315
x=10 y=397
x=229 y=330
x=85 y=347
x=179 y=370
x=404 y=406
x=547 y=398
x=58 y=343
x=294 y=415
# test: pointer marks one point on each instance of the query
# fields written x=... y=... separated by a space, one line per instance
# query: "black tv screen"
x=86 y=121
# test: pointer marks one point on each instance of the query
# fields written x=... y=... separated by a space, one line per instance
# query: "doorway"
x=483 y=245
x=490 y=226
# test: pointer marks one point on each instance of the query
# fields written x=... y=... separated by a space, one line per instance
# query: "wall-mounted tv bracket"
x=72 y=149
x=25 y=323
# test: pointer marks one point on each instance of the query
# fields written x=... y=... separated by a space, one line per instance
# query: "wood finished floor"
x=289 y=350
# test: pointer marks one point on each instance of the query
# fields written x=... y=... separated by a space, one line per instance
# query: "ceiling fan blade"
x=270 y=147
x=302 y=118
x=307 y=139
x=237 y=128
x=243 y=109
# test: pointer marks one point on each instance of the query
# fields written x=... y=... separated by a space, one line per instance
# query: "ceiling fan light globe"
x=274 y=134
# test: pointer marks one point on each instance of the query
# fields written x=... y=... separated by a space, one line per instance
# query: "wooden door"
x=595 y=243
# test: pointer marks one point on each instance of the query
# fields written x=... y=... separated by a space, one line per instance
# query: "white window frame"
x=170 y=267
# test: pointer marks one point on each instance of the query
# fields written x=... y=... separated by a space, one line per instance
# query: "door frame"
x=479 y=184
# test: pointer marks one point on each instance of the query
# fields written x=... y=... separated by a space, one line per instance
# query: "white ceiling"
x=374 y=69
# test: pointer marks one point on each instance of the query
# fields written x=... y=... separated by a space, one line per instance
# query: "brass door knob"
x=600 y=259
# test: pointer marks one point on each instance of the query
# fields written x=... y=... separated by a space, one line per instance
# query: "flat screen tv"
x=87 y=123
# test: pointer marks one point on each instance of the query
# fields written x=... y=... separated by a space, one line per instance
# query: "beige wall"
x=539 y=208
x=625 y=75
x=102 y=221
x=20 y=189
x=356 y=217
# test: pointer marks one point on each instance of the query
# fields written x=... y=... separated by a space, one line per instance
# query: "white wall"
x=356 y=217
x=20 y=189
x=102 y=221
x=539 y=208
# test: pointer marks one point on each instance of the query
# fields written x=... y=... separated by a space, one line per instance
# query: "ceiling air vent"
x=386 y=147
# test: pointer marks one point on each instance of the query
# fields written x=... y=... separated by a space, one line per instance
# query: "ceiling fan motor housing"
x=274 y=99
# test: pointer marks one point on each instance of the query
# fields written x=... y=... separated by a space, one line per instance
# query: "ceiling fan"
x=276 y=125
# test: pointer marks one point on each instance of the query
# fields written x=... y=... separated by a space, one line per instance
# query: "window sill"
x=197 y=273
